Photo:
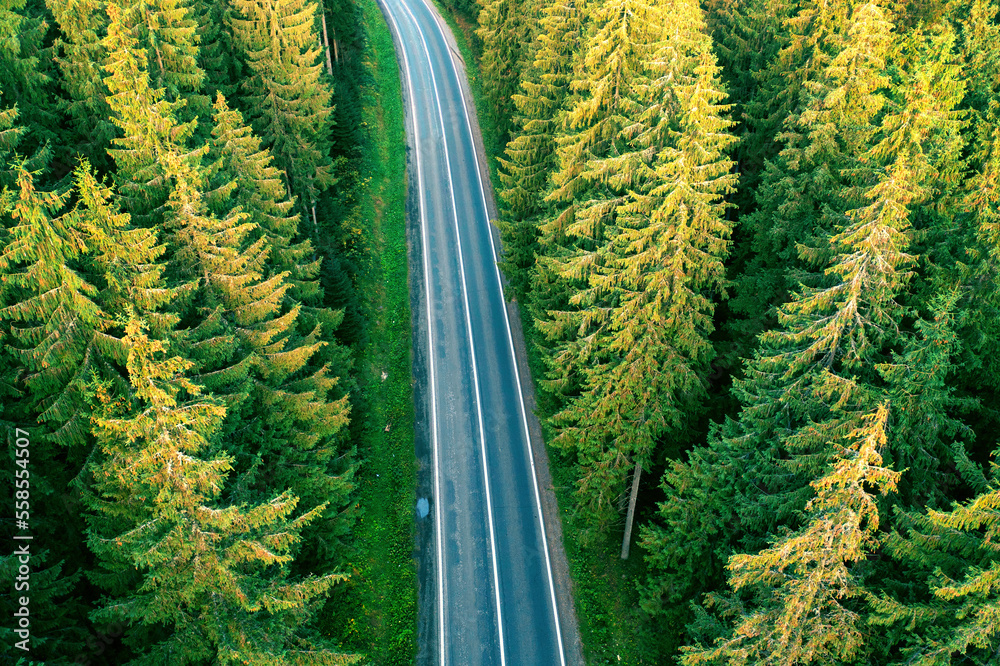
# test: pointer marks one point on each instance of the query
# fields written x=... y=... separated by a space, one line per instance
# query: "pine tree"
x=195 y=579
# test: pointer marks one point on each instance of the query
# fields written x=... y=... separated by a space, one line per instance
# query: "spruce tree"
x=223 y=72
x=526 y=171
x=55 y=609
x=979 y=208
x=167 y=31
x=504 y=30
x=826 y=115
x=928 y=438
x=288 y=433
x=79 y=54
x=285 y=95
x=25 y=72
x=803 y=584
x=747 y=36
x=51 y=316
x=612 y=76
x=195 y=580
x=817 y=376
x=229 y=254
x=648 y=260
x=147 y=124
x=242 y=173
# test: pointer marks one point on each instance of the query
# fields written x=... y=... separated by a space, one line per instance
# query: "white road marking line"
x=520 y=393
x=438 y=500
x=472 y=344
x=468 y=321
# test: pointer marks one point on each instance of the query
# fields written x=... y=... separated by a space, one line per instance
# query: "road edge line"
x=517 y=372
x=430 y=340
x=472 y=343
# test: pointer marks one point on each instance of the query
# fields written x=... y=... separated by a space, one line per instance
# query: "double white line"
x=475 y=373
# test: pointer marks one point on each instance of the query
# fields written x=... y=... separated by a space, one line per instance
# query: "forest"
x=757 y=245
x=182 y=250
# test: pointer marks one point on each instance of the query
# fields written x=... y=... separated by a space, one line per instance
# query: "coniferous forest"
x=759 y=243
x=756 y=244
x=179 y=255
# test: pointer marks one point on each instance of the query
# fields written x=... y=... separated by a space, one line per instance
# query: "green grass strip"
x=376 y=611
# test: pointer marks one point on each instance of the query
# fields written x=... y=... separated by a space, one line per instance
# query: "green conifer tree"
x=242 y=173
x=504 y=30
x=927 y=438
x=648 y=257
x=748 y=35
x=147 y=124
x=51 y=317
x=816 y=377
x=526 y=171
x=827 y=113
x=25 y=72
x=285 y=96
x=613 y=75
x=194 y=579
x=223 y=72
x=55 y=610
x=167 y=31
x=229 y=247
x=803 y=583
x=79 y=54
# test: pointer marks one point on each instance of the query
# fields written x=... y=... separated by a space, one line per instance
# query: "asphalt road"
x=492 y=584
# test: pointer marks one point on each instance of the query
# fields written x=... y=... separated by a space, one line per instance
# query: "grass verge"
x=613 y=629
x=375 y=613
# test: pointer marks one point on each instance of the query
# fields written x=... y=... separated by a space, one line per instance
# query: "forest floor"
x=376 y=612
x=613 y=628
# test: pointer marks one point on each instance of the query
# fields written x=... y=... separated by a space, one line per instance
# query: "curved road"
x=492 y=585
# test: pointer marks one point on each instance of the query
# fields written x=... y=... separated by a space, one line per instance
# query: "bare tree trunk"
x=326 y=41
x=631 y=510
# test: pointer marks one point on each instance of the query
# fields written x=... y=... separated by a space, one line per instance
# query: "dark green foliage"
x=531 y=153
x=866 y=277
x=195 y=580
x=284 y=95
x=166 y=340
x=505 y=32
